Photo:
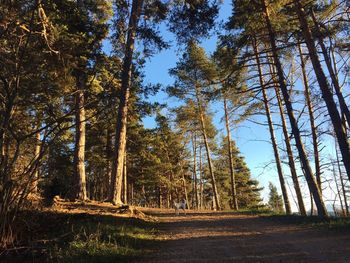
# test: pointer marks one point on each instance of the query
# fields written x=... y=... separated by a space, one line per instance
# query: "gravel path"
x=227 y=237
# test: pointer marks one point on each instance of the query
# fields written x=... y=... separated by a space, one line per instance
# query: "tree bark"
x=272 y=132
x=185 y=189
x=195 y=193
x=132 y=193
x=36 y=157
x=200 y=177
x=338 y=190
x=322 y=212
x=79 y=149
x=125 y=182
x=107 y=179
x=343 y=117
x=290 y=156
x=9 y=110
x=342 y=182
x=207 y=148
x=120 y=137
x=230 y=156
x=160 y=201
x=325 y=88
x=312 y=120
x=344 y=108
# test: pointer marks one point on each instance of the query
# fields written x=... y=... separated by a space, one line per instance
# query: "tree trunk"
x=232 y=169
x=200 y=177
x=125 y=182
x=79 y=150
x=36 y=156
x=338 y=190
x=185 y=189
x=343 y=117
x=272 y=132
x=342 y=182
x=207 y=148
x=295 y=129
x=168 y=202
x=120 y=136
x=195 y=193
x=9 y=110
x=325 y=88
x=160 y=201
x=290 y=156
x=312 y=120
x=132 y=193
x=107 y=179
x=344 y=108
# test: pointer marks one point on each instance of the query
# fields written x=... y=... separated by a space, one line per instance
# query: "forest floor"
x=231 y=237
x=98 y=232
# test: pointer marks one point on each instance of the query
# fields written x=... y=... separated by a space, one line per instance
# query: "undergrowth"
x=59 y=237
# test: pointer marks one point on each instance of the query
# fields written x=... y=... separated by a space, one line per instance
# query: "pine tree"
x=248 y=190
x=275 y=200
x=192 y=75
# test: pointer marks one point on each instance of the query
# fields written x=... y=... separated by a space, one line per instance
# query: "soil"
x=228 y=237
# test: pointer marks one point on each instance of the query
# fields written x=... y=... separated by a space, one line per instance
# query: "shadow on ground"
x=54 y=236
x=97 y=235
x=238 y=237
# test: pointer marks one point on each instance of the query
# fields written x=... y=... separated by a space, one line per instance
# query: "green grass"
x=336 y=223
x=106 y=241
x=58 y=237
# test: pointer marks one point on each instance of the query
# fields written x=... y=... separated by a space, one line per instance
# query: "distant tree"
x=275 y=200
x=192 y=75
x=247 y=189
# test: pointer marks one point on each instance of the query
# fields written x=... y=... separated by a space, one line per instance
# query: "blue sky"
x=248 y=136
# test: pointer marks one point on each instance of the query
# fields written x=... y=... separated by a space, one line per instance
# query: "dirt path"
x=224 y=237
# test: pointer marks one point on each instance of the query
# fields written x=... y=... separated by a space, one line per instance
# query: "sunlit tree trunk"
x=322 y=212
x=342 y=181
x=272 y=132
x=290 y=156
x=312 y=120
x=344 y=108
x=195 y=193
x=79 y=149
x=207 y=148
x=338 y=189
x=120 y=136
x=168 y=199
x=36 y=156
x=343 y=117
x=125 y=182
x=325 y=88
x=160 y=201
x=107 y=179
x=200 y=177
x=229 y=146
x=185 y=189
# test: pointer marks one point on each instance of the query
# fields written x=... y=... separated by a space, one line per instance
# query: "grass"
x=333 y=223
x=59 y=237
x=256 y=211
x=336 y=223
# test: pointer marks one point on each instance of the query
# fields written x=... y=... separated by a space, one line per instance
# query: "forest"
x=72 y=112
